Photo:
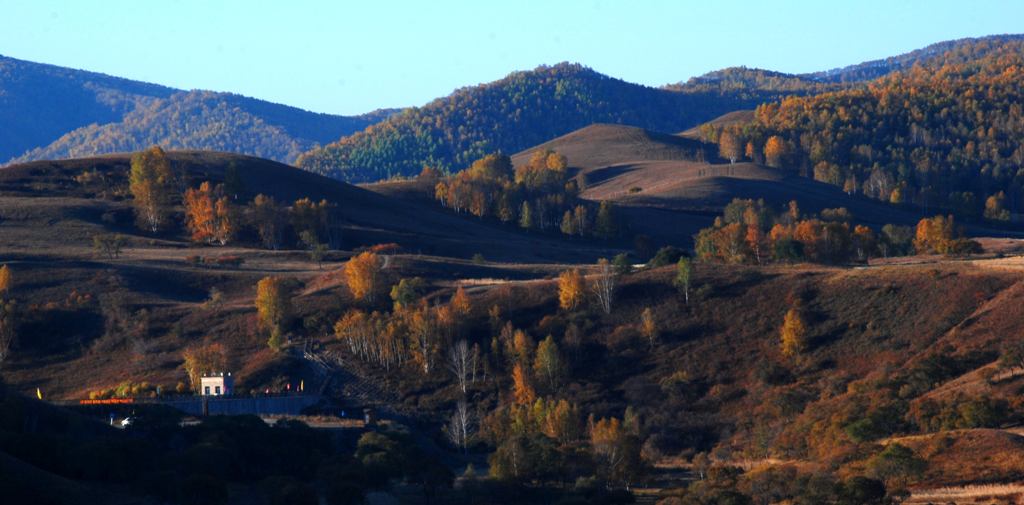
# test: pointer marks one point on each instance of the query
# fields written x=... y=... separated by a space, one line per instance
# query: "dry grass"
x=975 y=494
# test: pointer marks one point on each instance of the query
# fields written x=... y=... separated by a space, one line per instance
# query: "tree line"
x=218 y=213
x=539 y=195
x=749 y=231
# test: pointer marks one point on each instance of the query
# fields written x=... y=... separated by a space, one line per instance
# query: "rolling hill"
x=45 y=193
x=61 y=112
x=666 y=190
x=511 y=114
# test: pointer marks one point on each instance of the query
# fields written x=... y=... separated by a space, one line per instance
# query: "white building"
x=218 y=384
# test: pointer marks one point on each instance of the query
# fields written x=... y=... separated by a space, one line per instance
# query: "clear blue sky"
x=349 y=57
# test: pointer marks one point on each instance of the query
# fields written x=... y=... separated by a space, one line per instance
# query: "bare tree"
x=460 y=361
x=603 y=284
x=460 y=427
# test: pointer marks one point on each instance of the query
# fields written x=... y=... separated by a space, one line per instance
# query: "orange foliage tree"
x=774 y=151
x=522 y=390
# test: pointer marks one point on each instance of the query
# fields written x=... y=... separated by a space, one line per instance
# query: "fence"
x=220 y=405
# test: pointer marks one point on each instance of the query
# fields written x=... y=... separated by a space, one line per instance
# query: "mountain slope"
x=945 y=132
x=46 y=101
x=205 y=120
x=61 y=113
x=521 y=110
x=877 y=68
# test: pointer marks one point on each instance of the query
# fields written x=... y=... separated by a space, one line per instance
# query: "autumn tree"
x=649 y=327
x=995 y=207
x=684 y=272
x=460 y=303
x=548 y=363
x=424 y=329
x=273 y=307
x=151 y=183
x=204 y=359
x=616 y=452
x=570 y=289
x=794 y=332
x=225 y=218
x=5 y=281
x=522 y=391
x=774 y=151
x=521 y=346
x=310 y=217
x=934 y=235
x=603 y=285
x=362 y=273
x=200 y=213
x=730 y=146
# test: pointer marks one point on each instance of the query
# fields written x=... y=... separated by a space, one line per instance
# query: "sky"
x=350 y=57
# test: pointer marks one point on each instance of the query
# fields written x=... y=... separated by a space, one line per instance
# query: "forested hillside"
x=519 y=111
x=210 y=121
x=54 y=112
x=947 y=132
x=39 y=103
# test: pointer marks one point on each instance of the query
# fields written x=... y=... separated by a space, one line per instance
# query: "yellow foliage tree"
x=362 y=272
x=794 y=333
x=202 y=359
x=548 y=362
x=150 y=183
x=224 y=214
x=570 y=289
x=273 y=306
x=730 y=146
x=649 y=327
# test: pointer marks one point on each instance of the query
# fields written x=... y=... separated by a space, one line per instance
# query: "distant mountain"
x=877 y=68
x=51 y=112
x=519 y=111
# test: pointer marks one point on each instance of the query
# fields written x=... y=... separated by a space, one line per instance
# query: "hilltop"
x=511 y=114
